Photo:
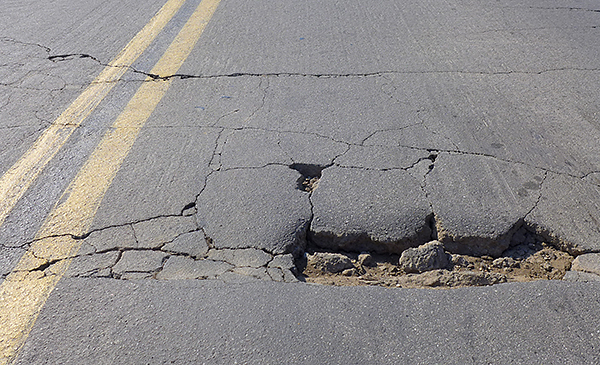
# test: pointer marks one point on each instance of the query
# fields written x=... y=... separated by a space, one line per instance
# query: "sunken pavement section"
x=258 y=222
x=292 y=163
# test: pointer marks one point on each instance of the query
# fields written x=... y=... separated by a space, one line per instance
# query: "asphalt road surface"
x=165 y=165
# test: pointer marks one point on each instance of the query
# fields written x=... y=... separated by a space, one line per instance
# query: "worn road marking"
x=25 y=290
x=15 y=182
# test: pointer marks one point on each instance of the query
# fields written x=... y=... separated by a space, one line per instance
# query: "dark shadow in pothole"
x=310 y=175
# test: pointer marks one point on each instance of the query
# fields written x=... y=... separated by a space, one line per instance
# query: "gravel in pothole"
x=429 y=266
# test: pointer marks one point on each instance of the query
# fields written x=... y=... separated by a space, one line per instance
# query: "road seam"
x=26 y=289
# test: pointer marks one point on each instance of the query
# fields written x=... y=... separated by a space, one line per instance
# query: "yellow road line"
x=25 y=290
x=15 y=182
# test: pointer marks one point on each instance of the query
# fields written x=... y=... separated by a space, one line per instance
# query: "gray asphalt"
x=209 y=322
x=463 y=121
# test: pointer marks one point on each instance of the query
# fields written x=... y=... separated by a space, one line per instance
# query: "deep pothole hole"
x=430 y=265
x=310 y=174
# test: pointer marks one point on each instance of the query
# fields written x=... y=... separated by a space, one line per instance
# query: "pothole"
x=309 y=175
x=521 y=263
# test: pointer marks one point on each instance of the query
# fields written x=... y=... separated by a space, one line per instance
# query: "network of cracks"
x=177 y=247
x=193 y=256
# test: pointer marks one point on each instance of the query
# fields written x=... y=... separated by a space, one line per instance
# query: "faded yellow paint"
x=15 y=182
x=24 y=292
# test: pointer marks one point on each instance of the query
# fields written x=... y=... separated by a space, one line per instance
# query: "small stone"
x=429 y=256
x=458 y=260
x=365 y=259
x=349 y=272
x=581 y=276
x=329 y=262
x=589 y=263
x=505 y=262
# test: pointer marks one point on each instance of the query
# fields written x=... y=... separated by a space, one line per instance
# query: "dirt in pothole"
x=525 y=262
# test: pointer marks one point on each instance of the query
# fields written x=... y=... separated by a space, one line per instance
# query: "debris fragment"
x=589 y=263
x=427 y=257
x=365 y=259
x=429 y=266
x=329 y=262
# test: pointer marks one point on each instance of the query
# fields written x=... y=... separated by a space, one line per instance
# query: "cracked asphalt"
x=289 y=127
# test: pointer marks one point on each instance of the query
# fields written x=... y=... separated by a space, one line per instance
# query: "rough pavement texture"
x=259 y=208
x=187 y=322
x=363 y=210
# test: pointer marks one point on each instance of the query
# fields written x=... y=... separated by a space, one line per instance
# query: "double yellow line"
x=25 y=290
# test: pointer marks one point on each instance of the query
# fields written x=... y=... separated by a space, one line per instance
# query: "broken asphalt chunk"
x=139 y=261
x=480 y=202
x=88 y=265
x=364 y=210
x=179 y=267
x=258 y=208
x=156 y=232
x=567 y=214
x=249 y=257
x=589 y=263
x=192 y=244
x=429 y=256
x=328 y=262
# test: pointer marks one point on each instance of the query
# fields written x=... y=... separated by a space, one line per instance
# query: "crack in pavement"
x=87 y=234
x=12 y=40
x=153 y=77
x=528 y=29
x=222 y=139
x=539 y=196
x=220 y=144
x=249 y=258
x=569 y=8
x=437 y=150
x=367 y=74
x=424 y=149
